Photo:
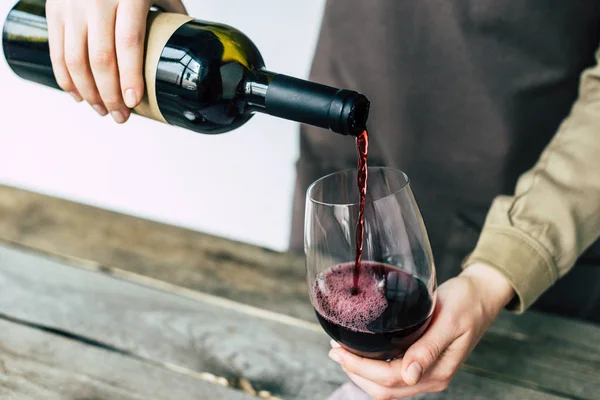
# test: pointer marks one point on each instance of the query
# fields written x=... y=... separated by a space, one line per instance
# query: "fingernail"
x=118 y=116
x=334 y=344
x=76 y=96
x=414 y=372
x=130 y=98
x=100 y=109
x=335 y=357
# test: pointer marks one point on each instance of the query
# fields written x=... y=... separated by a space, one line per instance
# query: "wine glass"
x=389 y=305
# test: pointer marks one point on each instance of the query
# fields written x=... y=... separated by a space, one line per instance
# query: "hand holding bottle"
x=202 y=76
x=97 y=50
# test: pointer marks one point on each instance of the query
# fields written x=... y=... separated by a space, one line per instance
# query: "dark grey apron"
x=465 y=95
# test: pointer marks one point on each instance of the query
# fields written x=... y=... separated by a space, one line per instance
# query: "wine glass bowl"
x=380 y=306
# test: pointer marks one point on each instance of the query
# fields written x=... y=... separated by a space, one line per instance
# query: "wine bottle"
x=199 y=75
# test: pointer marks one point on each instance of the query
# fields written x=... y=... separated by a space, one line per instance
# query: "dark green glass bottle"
x=202 y=76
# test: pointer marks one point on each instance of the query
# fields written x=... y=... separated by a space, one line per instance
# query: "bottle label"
x=161 y=27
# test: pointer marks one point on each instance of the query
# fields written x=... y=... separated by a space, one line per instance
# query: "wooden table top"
x=99 y=305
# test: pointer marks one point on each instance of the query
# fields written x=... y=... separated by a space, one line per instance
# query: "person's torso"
x=465 y=94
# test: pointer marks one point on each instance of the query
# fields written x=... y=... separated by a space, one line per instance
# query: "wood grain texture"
x=202 y=334
x=38 y=365
x=553 y=353
x=197 y=261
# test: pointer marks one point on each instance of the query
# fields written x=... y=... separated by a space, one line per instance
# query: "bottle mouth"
x=355 y=113
x=359 y=115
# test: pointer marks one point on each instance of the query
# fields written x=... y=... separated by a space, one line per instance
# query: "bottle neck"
x=255 y=90
x=342 y=111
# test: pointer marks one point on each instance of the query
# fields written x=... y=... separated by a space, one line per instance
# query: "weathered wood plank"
x=207 y=335
x=557 y=353
x=287 y=357
x=38 y=365
x=238 y=271
x=272 y=281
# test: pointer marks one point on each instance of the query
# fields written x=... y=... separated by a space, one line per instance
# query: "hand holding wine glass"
x=394 y=334
x=466 y=306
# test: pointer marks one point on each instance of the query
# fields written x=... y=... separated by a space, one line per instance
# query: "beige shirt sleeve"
x=535 y=236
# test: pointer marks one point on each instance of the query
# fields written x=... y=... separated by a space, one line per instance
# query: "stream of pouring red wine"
x=362 y=146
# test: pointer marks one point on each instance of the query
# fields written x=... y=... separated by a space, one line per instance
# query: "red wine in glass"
x=390 y=311
x=372 y=280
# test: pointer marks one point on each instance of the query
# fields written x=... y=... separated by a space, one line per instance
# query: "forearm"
x=535 y=236
x=493 y=287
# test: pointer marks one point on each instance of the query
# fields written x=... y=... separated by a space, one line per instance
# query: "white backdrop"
x=52 y=145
